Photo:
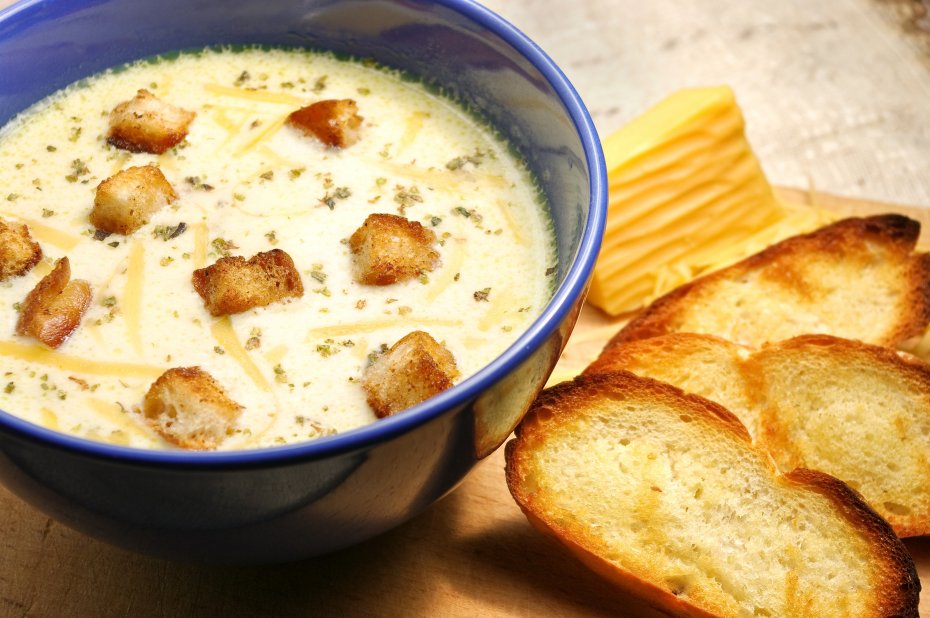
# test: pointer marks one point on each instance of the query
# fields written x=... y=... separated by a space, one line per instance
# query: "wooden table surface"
x=835 y=93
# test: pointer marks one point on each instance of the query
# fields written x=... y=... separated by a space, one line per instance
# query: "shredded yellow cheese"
x=275 y=354
x=414 y=124
x=49 y=419
x=47 y=234
x=113 y=413
x=369 y=326
x=200 y=244
x=453 y=256
x=268 y=131
x=224 y=334
x=132 y=295
x=76 y=364
x=263 y=96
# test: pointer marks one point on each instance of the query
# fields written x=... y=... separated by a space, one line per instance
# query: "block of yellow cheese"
x=687 y=195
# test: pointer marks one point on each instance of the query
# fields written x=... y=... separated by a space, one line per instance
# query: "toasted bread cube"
x=126 y=200
x=389 y=248
x=335 y=122
x=189 y=408
x=145 y=123
x=18 y=252
x=233 y=284
x=416 y=368
x=53 y=309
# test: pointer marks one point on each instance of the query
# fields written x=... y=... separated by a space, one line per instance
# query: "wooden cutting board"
x=472 y=554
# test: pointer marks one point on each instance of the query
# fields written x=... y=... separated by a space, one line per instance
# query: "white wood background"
x=836 y=93
x=837 y=96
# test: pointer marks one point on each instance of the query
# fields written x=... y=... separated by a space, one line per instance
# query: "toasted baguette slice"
x=662 y=493
x=857 y=278
x=701 y=364
x=856 y=411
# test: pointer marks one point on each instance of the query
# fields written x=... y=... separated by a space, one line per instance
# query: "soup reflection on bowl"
x=502 y=207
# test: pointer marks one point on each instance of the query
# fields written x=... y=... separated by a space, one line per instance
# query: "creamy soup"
x=246 y=182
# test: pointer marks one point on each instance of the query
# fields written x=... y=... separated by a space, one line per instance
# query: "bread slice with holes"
x=857 y=278
x=664 y=494
x=856 y=411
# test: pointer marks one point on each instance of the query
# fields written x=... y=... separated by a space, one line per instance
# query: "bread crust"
x=388 y=249
x=234 y=284
x=335 y=122
x=911 y=375
x=52 y=311
x=189 y=408
x=145 y=123
x=125 y=201
x=855 y=243
x=746 y=383
x=414 y=369
x=894 y=581
x=18 y=252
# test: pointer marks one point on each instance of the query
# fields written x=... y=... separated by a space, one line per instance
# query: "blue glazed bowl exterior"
x=296 y=501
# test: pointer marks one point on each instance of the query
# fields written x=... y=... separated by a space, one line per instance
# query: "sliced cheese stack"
x=687 y=194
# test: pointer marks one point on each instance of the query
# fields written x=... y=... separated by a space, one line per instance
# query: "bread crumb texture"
x=389 y=248
x=414 y=369
x=663 y=493
x=145 y=123
x=52 y=311
x=857 y=278
x=125 y=201
x=18 y=251
x=190 y=409
x=234 y=284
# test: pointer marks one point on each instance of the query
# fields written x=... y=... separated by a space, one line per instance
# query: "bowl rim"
x=366 y=436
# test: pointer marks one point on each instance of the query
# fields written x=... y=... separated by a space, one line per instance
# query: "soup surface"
x=247 y=182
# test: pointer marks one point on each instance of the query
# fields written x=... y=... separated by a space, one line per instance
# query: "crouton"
x=233 y=285
x=389 y=248
x=126 y=200
x=145 y=123
x=416 y=368
x=335 y=122
x=53 y=309
x=18 y=252
x=187 y=407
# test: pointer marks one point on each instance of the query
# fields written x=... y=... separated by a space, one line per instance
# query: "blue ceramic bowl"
x=296 y=501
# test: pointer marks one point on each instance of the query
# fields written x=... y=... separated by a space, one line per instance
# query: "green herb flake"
x=223 y=247
x=242 y=79
x=46 y=213
x=482 y=295
x=78 y=168
x=163 y=231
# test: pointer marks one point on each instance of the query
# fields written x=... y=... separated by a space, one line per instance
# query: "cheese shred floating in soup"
x=256 y=229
